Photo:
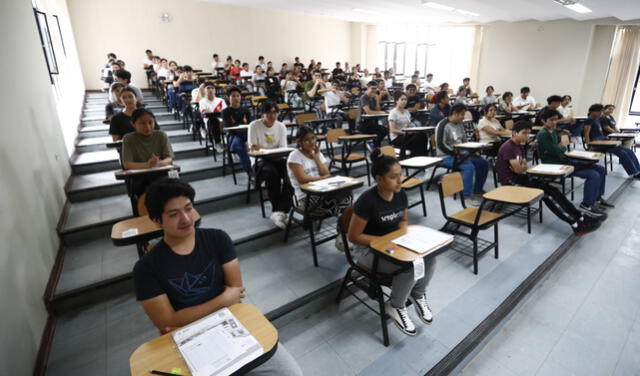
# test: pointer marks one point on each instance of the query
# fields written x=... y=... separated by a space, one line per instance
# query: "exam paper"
x=422 y=239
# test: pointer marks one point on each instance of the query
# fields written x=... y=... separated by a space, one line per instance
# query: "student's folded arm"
x=135 y=165
x=587 y=133
x=393 y=129
x=517 y=167
x=356 y=233
x=231 y=271
x=301 y=177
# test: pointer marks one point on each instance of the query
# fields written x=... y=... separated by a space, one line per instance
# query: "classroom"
x=214 y=187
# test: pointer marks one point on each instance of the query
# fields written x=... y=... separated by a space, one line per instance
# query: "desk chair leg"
x=286 y=230
x=495 y=240
x=540 y=210
x=140 y=248
x=572 y=187
x=248 y=189
x=366 y=162
x=528 y=219
x=422 y=201
x=347 y=278
x=260 y=195
x=475 y=255
x=383 y=317
x=313 y=244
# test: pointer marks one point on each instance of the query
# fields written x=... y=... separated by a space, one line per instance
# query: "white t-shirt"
x=262 y=65
x=484 y=136
x=164 y=72
x=518 y=101
x=215 y=105
x=331 y=99
x=290 y=85
x=388 y=83
x=565 y=111
x=310 y=169
x=245 y=73
x=147 y=61
x=267 y=137
x=402 y=119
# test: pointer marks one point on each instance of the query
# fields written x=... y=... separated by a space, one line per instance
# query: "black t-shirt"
x=337 y=72
x=382 y=217
x=413 y=100
x=121 y=124
x=112 y=108
x=232 y=117
x=187 y=280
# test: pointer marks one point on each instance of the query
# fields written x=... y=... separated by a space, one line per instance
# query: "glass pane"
x=380 y=56
x=410 y=60
x=635 y=102
x=388 y=62
x=398 y=67
x=421 y=59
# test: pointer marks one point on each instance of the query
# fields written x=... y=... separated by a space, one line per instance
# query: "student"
x=382 y=93
x=272 y=85
x=450 y=132
x=337 y=72
x=415 y=101
x=552 y=147
x=124 y=77
x=608 y=121
x=565 y=109
x=261 y=63
x=269 y=133
x=235 y=70
x=506 y=105
x=441 y=109
x=318 y=86
x=333 y=98
x=115 y=105
x=120 y=124
x=378 y=211
x=461 y=97
x=444 y=88
x=307 y=164
x=146 y=147
x=489 y=97
x=207 y=254
x=147 y=63
x=370 y=104
x=429 y=86
x=524 y=102
x=216 y=64
x=593 y=131
x=553 y=102
x=388 y=79
x=289 y=86
x=210 y=105
x=284 y=69
x=400 y=119
x=233 y=116
x=489 y=127
x=164 y=73
x=465 y=87
x=512 y=167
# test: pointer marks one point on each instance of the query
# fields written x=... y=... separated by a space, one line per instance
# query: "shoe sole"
x=419 y=315
x=401 y=329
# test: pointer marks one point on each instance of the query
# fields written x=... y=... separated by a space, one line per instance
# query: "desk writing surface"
x=342 y=182
x=268 y=152
x=471 y=145
x=629 y=129
x=550 y=169
x=161 y=353
x=584 y=155
x=357 y=137
x=385 y=242
x=606 y=143
x=144 y=225
x=419 y=129
x=420 y=162
x=513 y=194
x=621 y=135
x=122 y=174
x=237 y=128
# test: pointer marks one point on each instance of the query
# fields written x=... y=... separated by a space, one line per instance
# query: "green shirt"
x=549 y=147
x=138 y=148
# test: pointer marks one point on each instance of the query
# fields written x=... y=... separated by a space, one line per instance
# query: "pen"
x=154 y=372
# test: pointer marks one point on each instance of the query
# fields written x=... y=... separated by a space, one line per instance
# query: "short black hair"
x=466 y=79
x=608 y=106
x=147 y=51
x=521 y=125
x=215 y=55
x=458 y=108
x=554 y=98
x=116 y=85
x=381 y=163
x=398 y=94
x=163 y=190
x=130 y=89
x=488 y=107
x=567 y=96
x=303 y=131
x=139 y=112
x=260 y=57
x=372 y=83
x=232 y=89
x=595 y=108
x=411 y=86
x=209 y=83
x=111 y=55
x=429 y=74
x=267 y=106
x=525 y=89
x=123 y=74
x=549 y=113
x=444 y=84
x=441 y=95
x=187 y=68
x=488 y=87
x=506 y=95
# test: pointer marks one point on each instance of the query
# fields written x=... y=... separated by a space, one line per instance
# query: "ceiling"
x=402 y=11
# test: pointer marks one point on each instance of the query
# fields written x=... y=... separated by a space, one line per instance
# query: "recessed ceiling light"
x=578 y=8
x=433 y=5
x=462 y=11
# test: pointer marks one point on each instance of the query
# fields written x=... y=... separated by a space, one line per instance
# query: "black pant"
x=274 y=173
x=416 y=144
x=214 y=127
x=372 y=127
x=553 y=198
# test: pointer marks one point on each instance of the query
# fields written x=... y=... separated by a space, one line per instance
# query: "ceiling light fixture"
x=574 y=6
x=468 y=13
x=433 y=5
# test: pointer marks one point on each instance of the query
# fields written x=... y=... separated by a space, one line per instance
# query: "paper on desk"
x=136 y=171
x=331 y=182
x=275 y=150
x=423 y=239
x=473 y=144
x=549 y=168
x=217 y=344
x=582 y=154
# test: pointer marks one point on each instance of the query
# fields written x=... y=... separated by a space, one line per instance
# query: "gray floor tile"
x=323 y=361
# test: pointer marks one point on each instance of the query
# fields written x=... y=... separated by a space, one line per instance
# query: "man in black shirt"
x=338 y=73
x=233 y=116
x=370 y=105
x=191 y=272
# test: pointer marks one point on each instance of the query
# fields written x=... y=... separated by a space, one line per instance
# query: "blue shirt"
x=438 y=114
x=595 y=132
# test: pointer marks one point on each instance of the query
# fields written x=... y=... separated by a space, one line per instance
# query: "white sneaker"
x=219 y=148
x=401 y=318
x=339 y=243
x=472 y=201
x=422 y=309
x=279 y=219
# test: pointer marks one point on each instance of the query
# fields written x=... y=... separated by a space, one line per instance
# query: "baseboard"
x=44 y=350
x=54 y=277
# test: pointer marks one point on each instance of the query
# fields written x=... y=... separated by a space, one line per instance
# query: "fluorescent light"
x=433 y=5
x=365 y=11
x=462 y=11
x=578 y=8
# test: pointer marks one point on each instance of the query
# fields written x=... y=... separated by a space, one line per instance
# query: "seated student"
x=258 y=80
x=272 y=85
x=428 y=85
x=441 y=109
x=382 y=93
x=115 y=105
x=233 y=116
x=186 y=84
x=553 y=102
x=378 y=211
x=172 y=88
x=415 y=101
x=608 y=121
x=124 y=77
x=269 y=133
x=552 y=147
x=444 y=88
x=120 y=124
x=261 y=63
x=489 y=97
x=318 y=86
x=525 y=102
x=284 y=69
x=107 y=72
x=593 y=131
x=235 y=69
x=337 y=72
x=512 y=167
x=307 y=164
x=207 y=254
x=400 y=119
x=164 y=73
x=370 y=104
x=333 y=98
x=450 y=132
x=489 y=127
x=506 y=105
x=461 y=97
x=565 y=109
x=146 y=147
x=289 y=86
x=388 y=78
x=465 y=87
x=211 y=105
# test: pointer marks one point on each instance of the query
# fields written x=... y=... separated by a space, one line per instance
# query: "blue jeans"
x=473 y=166
x=172 y=97
x=183 y=88
x=628 y=159
x=594 y=180
x=239 y=146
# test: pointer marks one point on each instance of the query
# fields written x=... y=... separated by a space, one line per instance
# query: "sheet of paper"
x=173 y=174
x=130 y=232
x=422 y=239
x=474 y=144
x=418 y=268
x=549 y=168
x=275 y=150
x=136 y=171
x=332 y=182
x=582 y=154
x=217 y=344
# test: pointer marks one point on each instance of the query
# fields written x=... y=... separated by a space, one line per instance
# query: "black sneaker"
x=584 y=228
x=592 y=210
x=605 y=203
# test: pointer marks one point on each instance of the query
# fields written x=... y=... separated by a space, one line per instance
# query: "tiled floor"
x=584 y=319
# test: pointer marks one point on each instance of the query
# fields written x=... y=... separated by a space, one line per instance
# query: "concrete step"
x=101 y=130
x=100 y=143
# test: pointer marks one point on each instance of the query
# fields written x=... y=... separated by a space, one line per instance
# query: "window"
x=634 y=109
x=64 y=49
x=47 y=45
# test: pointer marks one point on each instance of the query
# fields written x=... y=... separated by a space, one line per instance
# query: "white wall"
x=197 y=30
x=34 y=166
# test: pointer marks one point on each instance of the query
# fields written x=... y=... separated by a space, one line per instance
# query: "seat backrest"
x=508 y=124
x=468 y=115
x=283 y=106
x=343 y=230
x=388 y=150
x=451 y=184
x=301 y=118
x=142 y=208
x=333 y=134
x=353 y=113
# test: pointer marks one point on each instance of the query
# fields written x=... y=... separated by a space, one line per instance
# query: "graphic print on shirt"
x=390 y=216
x=194 y=284
x=269 y=138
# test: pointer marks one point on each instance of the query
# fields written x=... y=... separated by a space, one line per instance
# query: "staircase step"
x=99 y=118
x=101 y=130
x=100 y=143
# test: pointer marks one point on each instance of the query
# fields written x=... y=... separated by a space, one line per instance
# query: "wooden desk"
x=161 y=354
x=472 y=146
x=590 y=156
x=357 y=137
x=604 y=143
x=271 y=153
x=536 y=170
x=510 y=194
x=400 y=254
x=147 y=230
x=312 y=189
x=419 y=164
x=126 y=174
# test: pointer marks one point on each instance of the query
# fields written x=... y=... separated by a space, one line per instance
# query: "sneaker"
x=605 y=203
x=279 y=219
x=591 y=210
x=401 y=318
x=584 y=227
x=219 y=148
x=422 y=309
x=473 y=201
x=339 y=243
